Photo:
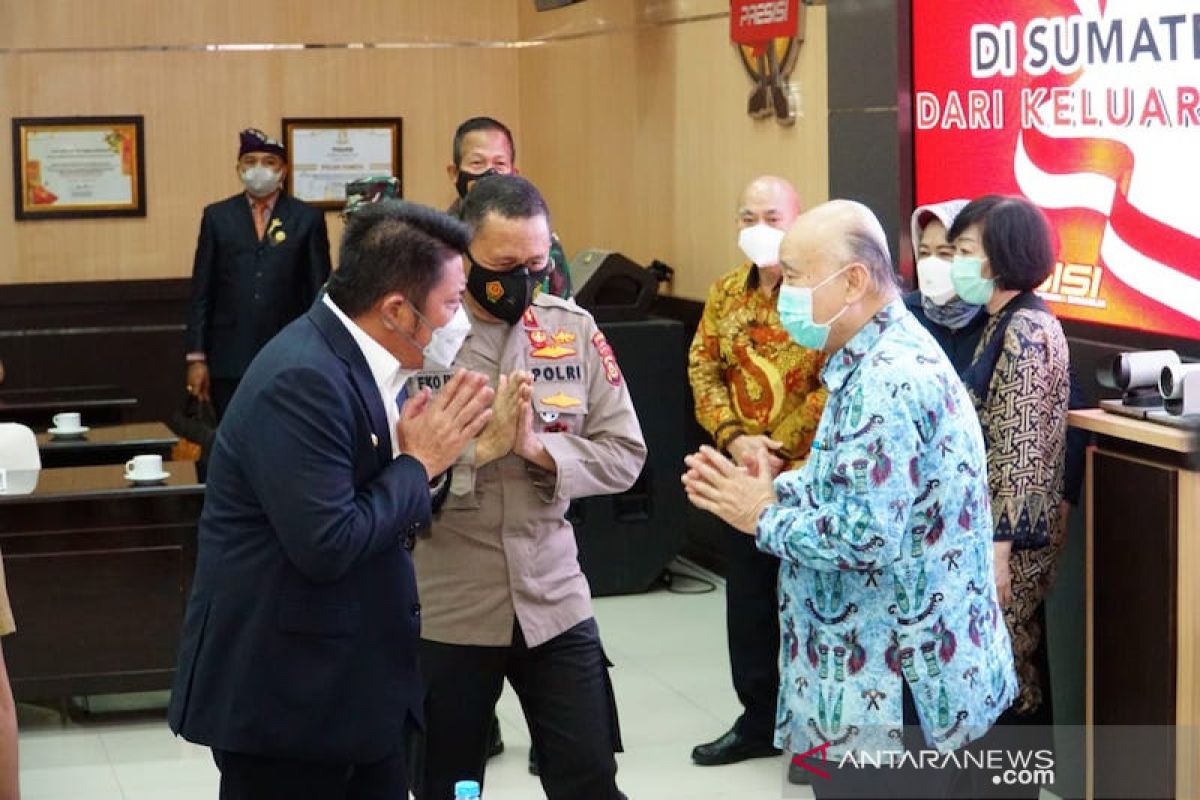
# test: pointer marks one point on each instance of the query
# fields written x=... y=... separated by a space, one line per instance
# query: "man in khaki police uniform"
x=501 y=587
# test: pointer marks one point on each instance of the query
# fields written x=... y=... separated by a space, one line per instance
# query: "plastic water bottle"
x=466 y=790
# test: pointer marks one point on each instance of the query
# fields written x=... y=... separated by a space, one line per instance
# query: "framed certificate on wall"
x=72 y=167
x=326 y=154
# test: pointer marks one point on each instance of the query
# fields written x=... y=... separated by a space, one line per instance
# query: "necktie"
x=401 y=397
x=261 y=211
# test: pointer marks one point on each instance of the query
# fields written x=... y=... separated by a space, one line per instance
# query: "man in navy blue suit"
x=298 y=659
x=261 y=258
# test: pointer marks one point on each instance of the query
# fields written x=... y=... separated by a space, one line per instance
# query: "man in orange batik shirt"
x=754 y=389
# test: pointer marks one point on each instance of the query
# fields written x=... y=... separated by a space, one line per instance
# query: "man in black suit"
x=260 y=260
x=298 y=657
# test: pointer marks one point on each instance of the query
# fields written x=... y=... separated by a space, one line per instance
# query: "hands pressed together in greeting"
x=435 y=429
x=511 y=427
x=737 y=493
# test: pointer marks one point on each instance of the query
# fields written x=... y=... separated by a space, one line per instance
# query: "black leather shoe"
x=496 y=744
x=730 y=749
x=798 y=775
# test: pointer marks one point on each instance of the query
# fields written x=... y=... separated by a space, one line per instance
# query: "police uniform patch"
x=557 y=373
x=561 y=399
x=612 y=373
x=553 y=347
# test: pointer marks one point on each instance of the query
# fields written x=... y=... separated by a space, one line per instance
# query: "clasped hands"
x=511 y=427
x=735 y=492
x=435 y=429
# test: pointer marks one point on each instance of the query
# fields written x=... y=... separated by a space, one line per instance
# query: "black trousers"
x=248 y=777
x=221 y=390
x=752 y=624
x=564 y=689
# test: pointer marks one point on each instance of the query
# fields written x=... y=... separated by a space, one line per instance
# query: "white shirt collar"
x=385 y=368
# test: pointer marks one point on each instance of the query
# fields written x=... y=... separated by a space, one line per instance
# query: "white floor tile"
x=664 y=771
x=81 y=794
x=174 y=793
x=61 y=782
x=671 y=681
x=62 y=748
x=167 y=775
x=149 y=741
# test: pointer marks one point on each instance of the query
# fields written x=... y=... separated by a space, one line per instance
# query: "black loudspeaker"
x=546 y=5
x=611 y=286
x=626 y=540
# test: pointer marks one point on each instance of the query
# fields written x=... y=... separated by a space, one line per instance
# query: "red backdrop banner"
x=1091 y=109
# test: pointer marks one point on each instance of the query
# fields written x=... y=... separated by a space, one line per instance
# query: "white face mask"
x=261 y=181
x=933 y=278
x=761 y=243
x=448 y=340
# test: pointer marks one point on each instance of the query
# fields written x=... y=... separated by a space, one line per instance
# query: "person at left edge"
x=298 y=656
x=261 y=258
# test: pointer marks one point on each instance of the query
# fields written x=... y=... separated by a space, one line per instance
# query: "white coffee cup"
x=67 y=421
x=144 y=467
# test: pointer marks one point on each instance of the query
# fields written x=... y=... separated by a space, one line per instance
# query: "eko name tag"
x=433 y=379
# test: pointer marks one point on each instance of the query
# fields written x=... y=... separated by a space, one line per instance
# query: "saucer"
x=68 y=433
x=147 y=480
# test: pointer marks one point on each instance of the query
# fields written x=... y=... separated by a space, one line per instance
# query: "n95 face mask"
x=761 y=243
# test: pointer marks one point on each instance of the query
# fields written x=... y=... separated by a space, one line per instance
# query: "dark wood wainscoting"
x=105 y=333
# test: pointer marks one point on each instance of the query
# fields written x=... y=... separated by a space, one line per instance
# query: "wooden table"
x=1143 y=606
x=98 y=577
x=98 y=405
x=110 y=444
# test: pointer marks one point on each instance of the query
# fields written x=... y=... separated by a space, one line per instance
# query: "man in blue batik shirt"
x=889 y=617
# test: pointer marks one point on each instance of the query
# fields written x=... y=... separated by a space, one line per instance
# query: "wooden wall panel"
x=638 y=135
x=195 y=102
x=125 y=23
x=630 y=117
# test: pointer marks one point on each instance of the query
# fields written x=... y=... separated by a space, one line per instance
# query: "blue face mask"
x=795 y=308
x=967 y=275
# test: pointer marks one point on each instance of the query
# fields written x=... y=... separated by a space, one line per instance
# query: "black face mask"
x=504 y=295
x=464 y=180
